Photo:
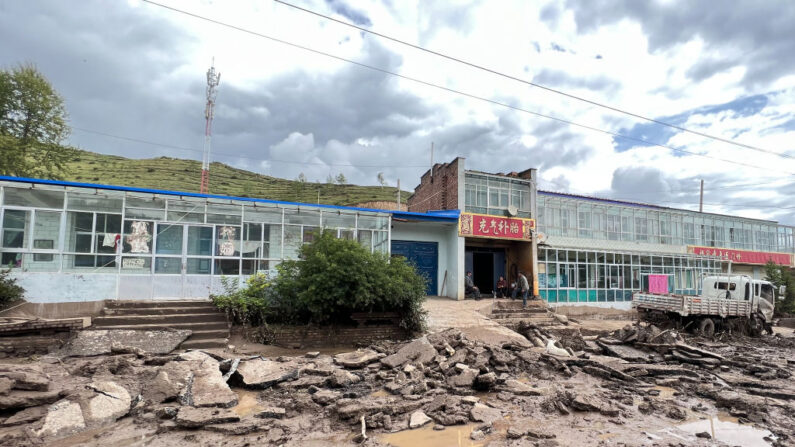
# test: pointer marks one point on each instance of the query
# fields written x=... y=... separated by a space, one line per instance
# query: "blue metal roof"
x=440 y=216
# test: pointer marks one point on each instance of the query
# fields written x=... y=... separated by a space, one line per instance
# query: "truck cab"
x=761 y=294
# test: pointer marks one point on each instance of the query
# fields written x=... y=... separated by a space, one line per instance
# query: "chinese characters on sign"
x=495 y=227
x=742 y=256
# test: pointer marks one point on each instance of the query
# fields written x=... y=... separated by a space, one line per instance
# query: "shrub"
x=337 y=277
x=10 y=291
x=247 y=305
x=333 y=279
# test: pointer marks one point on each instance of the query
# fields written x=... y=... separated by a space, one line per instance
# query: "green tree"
x=341 y=179
x=779 y=276
x=33 y=125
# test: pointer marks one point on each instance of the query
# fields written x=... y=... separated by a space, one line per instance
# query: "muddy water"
x=380 y=393
x=725 y=428
x=665 y=392
x=455 y=436
x=247 y=403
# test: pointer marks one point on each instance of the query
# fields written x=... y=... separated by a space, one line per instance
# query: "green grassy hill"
x=183 y=175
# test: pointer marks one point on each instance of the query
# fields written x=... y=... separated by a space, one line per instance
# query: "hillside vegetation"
x=183 y=175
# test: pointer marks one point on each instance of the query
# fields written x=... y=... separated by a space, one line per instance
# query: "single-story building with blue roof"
x=78 y=242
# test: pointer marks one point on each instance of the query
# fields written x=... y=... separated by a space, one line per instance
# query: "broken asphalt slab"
x=104 y=342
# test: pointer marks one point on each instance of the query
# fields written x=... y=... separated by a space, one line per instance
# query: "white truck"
x=735 y=302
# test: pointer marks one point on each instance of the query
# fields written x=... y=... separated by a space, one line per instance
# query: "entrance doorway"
x=487 y=265
x=483 y=271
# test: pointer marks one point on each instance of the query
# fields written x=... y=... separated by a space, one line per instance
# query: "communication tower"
x=213 y=78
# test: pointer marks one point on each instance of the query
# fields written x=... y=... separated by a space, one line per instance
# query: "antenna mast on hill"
x=213 y=78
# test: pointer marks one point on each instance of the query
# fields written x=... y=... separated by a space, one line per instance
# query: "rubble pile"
x=505 y=391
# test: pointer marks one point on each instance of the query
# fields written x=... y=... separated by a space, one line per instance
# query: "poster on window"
x=139 y=237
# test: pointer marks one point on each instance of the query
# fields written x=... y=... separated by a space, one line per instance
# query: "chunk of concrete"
x=518 y=388
x=464 y=379
x=356 y=359
x=25 y=416
x=191 y=417
x=326 y=397
x=418 y=419
x=24 y=399
x=342 y=378
x=208 y=388
x=419 y=351
x=102 y=342
x=26 y=378
x=171 y=380
x=63 y=417
x=484 y=413
x=272 y=413
x=261 y=373
x=111 y=402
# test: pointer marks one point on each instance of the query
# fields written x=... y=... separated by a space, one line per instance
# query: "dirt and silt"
x=468 y=387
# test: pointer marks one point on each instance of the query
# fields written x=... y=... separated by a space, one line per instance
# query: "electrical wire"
x=459 y=92
x=533 y=84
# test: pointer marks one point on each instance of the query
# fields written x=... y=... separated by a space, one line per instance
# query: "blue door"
x=425 y=258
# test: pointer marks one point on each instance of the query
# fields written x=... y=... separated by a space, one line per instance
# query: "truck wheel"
x=706 y=328
x=754 y=327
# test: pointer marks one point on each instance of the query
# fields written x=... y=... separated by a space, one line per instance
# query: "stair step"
x=116 y=304
x=526 y=315
x=160 y=319
x=194 y=326
x=210 y=334
x=204 y=344
x=110 y=311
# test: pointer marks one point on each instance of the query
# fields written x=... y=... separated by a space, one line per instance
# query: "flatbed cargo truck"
x=735 y=302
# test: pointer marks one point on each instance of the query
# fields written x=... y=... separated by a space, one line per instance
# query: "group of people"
x=521 y=286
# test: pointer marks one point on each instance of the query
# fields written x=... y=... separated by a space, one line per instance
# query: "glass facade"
x=587 y=276
x=86 y=230
x=560 y=215
x=488 y=194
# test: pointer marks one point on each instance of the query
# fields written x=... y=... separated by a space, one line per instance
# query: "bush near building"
x=10 y=291
x=782 y=276
x=333 y=279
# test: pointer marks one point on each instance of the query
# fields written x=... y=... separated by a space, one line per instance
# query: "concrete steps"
x=511 y=313
x=209 y=325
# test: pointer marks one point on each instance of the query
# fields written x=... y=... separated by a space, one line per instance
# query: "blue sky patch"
x=745 y=106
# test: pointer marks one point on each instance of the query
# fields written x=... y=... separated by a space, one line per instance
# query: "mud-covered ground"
x=637 y=386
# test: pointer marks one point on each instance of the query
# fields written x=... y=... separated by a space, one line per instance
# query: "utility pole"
x=701 y=198
x=431 y=161
x=398 y=195
x=213 y=78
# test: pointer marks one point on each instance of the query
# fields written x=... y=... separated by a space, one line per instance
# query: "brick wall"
x=315 y=336
x=437 y=192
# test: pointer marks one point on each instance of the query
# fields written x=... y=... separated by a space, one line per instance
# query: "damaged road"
x=635 y=386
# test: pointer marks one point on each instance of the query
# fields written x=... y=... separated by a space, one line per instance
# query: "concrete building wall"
x=439 y=188
x=446 y=235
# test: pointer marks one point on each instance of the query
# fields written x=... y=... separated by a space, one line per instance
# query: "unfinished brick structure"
x=438 y=189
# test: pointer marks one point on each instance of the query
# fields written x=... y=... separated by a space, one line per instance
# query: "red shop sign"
x=743 y=256
x=495 y=227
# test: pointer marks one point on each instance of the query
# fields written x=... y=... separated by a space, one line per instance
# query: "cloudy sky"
x=136 y=70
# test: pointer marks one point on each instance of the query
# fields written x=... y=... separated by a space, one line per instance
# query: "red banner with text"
x=495 y=227
x=743 y=256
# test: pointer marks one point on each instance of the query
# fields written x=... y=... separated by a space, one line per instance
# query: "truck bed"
x=686 y=305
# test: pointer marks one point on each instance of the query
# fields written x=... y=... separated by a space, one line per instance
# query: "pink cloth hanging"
x=658 y=283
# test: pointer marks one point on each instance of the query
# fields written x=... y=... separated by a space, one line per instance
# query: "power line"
x=459 y=92
x=533 y=84
x=152 y=143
